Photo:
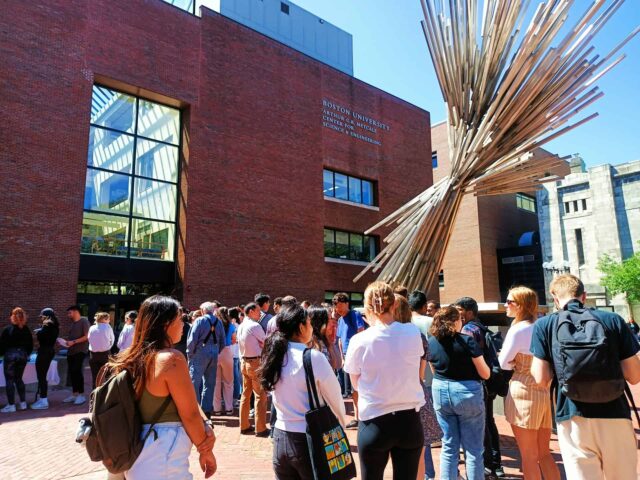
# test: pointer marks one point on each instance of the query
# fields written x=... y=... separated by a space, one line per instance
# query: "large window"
x=526 y=202
x=348 y=188
x=130 y=199
x=348 y=245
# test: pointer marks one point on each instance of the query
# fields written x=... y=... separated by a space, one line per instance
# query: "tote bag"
x=328 y=444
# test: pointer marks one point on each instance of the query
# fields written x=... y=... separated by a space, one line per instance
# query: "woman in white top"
x=527 y=406
x=126 y=334
x=282 y=373
x=101 y=340
x=384 y=364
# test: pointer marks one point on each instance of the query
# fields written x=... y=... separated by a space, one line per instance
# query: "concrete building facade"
x=587 y=215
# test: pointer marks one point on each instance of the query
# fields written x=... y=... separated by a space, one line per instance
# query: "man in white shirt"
x=251 y=338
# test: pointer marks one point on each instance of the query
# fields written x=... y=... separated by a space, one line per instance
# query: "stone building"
x=588 y=214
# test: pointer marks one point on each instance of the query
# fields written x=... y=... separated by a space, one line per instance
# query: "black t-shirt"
x=622 y=338
x=452 y=357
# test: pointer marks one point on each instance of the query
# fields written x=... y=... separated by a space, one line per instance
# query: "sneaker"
x=8 y=409
x=228 y=413
x=79 y=400
x=41 y=404
x=252 y=413
x=352 y=424
x=70 y=399
x=236 y=403
x=22 y=406
x=247 y=431
x=217 y=414
x=499 y=472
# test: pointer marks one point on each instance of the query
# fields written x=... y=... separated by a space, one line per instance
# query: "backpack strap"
x=312 y=391
x=156 y=417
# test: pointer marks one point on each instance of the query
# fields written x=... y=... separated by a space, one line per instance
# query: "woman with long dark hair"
x=46 y=335
x=320 y=321
x=384 y=364
x=16 y=344
x=282 y=373
x=224 y=375
x=159 y=371
x=458 y=396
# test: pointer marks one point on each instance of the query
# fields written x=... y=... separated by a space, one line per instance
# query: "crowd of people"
x=419 y=374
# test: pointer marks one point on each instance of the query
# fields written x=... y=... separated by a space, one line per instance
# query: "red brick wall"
x=252 y=209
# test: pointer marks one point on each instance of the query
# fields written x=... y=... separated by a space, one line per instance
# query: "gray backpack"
x=116 y=426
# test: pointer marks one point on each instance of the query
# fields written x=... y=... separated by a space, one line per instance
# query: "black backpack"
x=498 y=382
x=116 y=424
x=585 y=358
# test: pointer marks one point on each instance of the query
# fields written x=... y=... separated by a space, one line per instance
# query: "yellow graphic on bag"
x=336 y=449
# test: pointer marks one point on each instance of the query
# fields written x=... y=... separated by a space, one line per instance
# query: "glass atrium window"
x=345 y=187
x=526 y=202
x=348 y=245
x=131 y=191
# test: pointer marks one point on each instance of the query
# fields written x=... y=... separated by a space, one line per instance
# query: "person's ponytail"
x=275 y=348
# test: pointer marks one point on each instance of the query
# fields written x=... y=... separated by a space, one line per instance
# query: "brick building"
x=495 y=242
x=147 y=149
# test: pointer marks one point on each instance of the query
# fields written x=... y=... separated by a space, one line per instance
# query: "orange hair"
x=18 y=317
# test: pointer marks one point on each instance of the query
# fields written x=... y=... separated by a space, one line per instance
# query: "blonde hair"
x=18 y=317
x=401 y=309
x=379 y=298
x=566 y=285
x=101 y=316
x=527 y=300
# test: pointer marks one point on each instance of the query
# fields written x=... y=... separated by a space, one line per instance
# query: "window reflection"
x=118 y=122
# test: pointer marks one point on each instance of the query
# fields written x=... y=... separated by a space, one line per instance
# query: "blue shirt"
x=230 y=332
x=348 y=326
x=622 y=341
x=199 y=331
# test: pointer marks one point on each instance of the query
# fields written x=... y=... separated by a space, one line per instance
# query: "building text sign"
x=344 y=120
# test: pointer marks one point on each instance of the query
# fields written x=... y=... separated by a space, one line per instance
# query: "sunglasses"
x=510 y=302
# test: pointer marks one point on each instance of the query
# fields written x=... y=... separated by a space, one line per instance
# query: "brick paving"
x=39 y=445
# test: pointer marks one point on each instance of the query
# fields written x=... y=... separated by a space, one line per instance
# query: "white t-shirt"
x=518 y=340
x=126 y=336
x=387 y=358
x=290 y=396
x=101 y=337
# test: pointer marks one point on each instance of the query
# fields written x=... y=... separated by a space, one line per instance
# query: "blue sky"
x=390 y=53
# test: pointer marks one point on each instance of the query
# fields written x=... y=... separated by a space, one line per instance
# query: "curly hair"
x=444 y=322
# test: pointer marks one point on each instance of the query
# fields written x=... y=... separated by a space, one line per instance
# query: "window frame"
x=527 y=203
x=365 y=242
x=135 y=178
x=360 y=180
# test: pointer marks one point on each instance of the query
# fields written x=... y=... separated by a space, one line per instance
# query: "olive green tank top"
x=149 y=405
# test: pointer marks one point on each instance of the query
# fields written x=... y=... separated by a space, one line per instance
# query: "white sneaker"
x=22 y=406
x=69 y=399
x=79 y=400
x=41 y=404
x=252 y=413
x=8 y=409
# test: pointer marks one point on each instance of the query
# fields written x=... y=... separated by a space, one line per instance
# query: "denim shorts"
x=165 y=457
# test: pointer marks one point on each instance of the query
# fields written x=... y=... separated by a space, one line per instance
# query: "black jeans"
x=492 y=454
x=15 y=360
x=397 y=434
x=75 y=363
x=96 y=361
x=291 y=460
x=43 y=360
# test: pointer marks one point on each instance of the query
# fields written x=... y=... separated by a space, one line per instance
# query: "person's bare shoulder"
x=168 y=360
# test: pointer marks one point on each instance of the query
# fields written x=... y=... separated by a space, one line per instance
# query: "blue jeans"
x=237 y=379
x=459 y=406
x=203 y=366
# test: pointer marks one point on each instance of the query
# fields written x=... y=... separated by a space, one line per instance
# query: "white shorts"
x=165 y=457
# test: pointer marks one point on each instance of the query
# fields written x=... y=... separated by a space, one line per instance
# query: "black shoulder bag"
x=328 y=444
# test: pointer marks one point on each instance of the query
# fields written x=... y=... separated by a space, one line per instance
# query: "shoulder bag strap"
x=312 y=392
x=156 y=417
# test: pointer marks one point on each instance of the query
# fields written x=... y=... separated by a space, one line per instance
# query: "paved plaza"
x=39 y=445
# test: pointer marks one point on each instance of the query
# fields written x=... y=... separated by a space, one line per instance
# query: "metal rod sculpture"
x=507 y=93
